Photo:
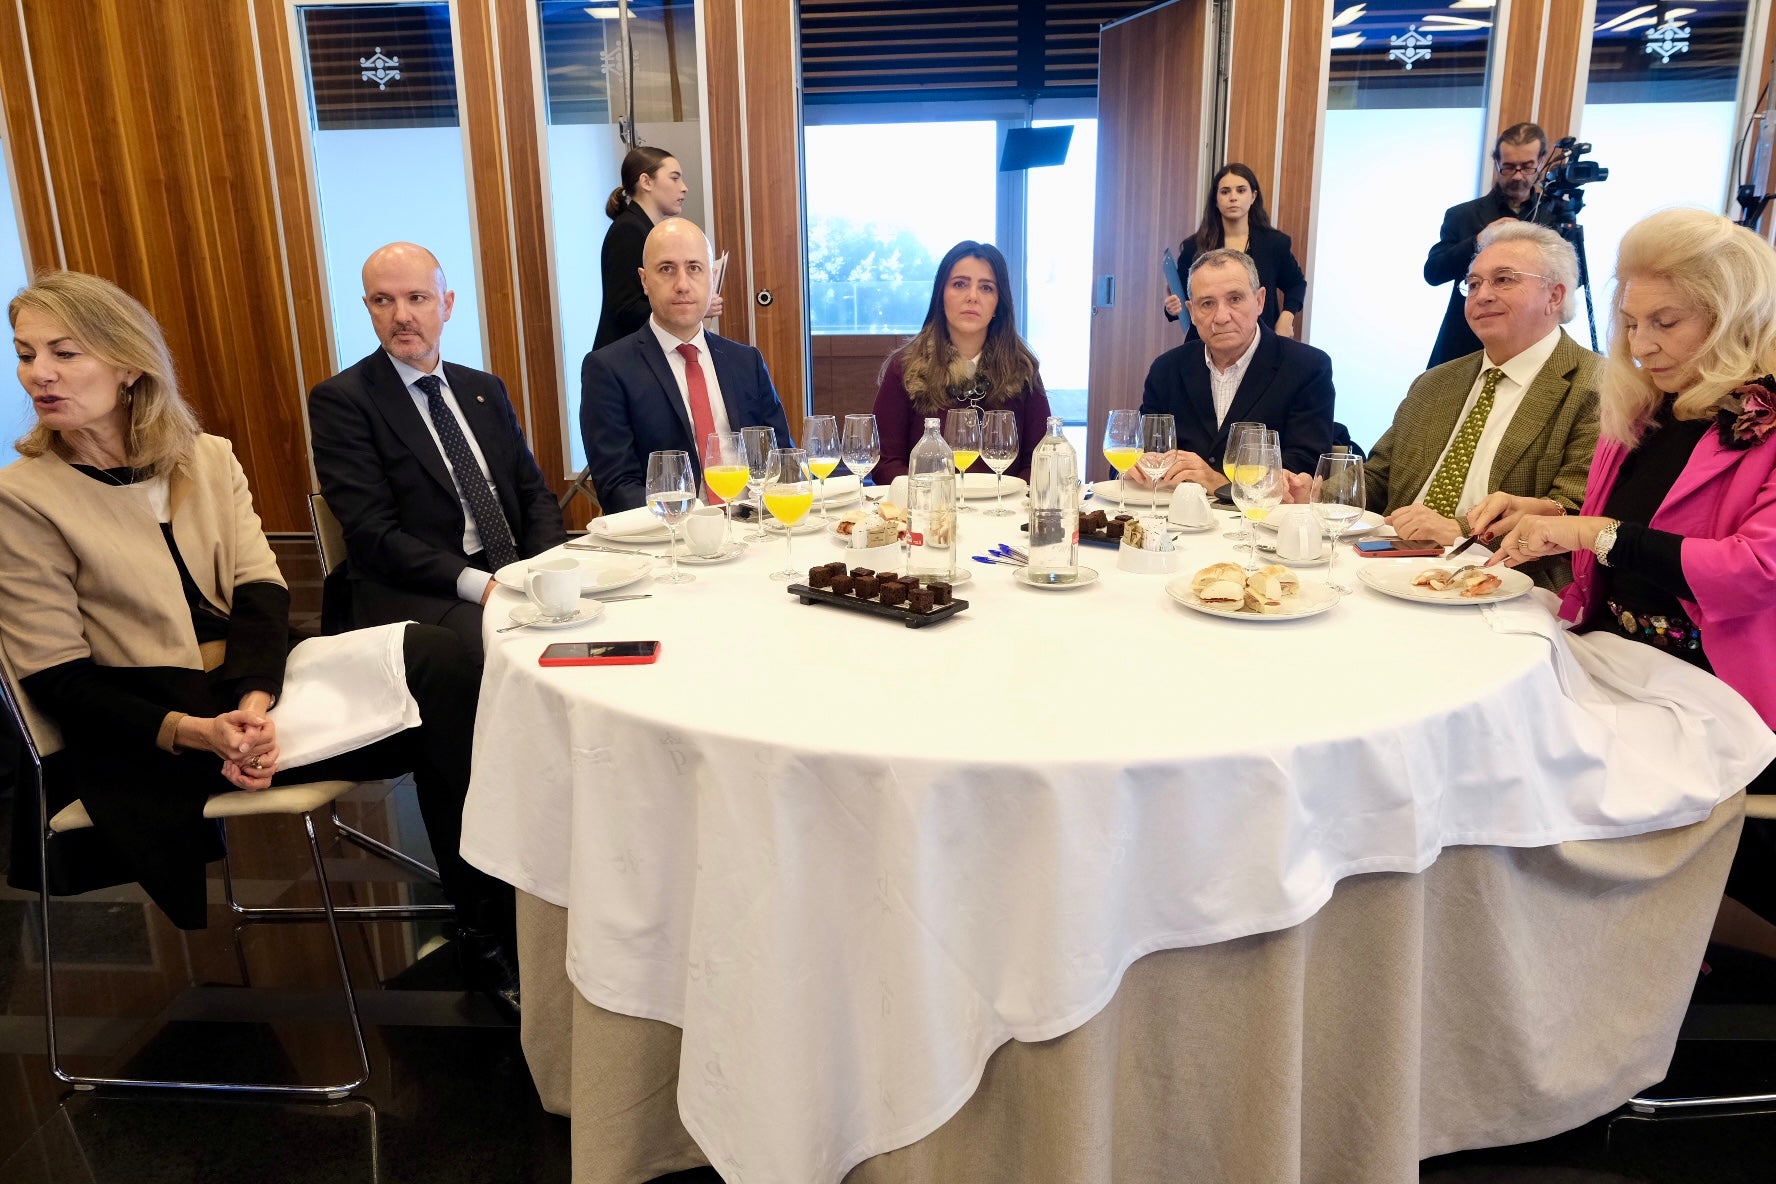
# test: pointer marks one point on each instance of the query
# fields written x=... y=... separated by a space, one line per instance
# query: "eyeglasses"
x=1527 y=168
x=1502 y=281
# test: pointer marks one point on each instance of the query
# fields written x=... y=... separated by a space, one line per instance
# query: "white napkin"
x=342 y=693
x=842 y=488
x=631 y=523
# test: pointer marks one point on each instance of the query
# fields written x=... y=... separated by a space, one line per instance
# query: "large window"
x=608 y=68
x=1659 y=113
x=388 y=157
x=1404 y=140
x=885 y=201
x=1060 y=209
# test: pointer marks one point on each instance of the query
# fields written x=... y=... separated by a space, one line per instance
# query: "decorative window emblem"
x=1411 y=46
x=1667 y=39
x=380 y=70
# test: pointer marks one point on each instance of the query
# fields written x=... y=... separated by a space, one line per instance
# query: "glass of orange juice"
x=789 y=495
x=820 y=440
x=725 y=472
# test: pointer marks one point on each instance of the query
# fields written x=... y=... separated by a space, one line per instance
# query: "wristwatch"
x=1606 y=538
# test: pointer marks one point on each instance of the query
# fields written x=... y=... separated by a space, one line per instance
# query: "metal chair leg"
x=1655 y=1105
x=330 y=1092
x=350 y=912
x=375 y=846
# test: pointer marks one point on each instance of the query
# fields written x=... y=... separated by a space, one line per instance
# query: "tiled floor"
x=450 y=1099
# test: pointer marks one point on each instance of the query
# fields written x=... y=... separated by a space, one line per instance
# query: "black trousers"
x=375 y=603
x=445 y=679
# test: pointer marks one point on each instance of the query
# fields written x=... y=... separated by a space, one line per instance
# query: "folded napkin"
x=628 y=524
x=839 y=489
x=342 y=693
x=1673 y=722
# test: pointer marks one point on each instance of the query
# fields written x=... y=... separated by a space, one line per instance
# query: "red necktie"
x=702 y=418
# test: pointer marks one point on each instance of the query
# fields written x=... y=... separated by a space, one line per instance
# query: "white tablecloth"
x=850 y=859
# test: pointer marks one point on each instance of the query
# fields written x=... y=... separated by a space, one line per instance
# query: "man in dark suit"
x=423 y=462
x=668 y=385
x=1519 y=154
x=1239 y=371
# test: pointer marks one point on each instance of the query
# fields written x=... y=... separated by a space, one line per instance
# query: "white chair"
x=41 y=740
x=1757 y=805
x=330 y=546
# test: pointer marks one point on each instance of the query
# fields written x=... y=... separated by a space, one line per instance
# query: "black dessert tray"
x=1087 y=539
x=897 y=612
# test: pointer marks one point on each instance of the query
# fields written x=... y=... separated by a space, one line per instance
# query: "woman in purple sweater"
x=968 y=354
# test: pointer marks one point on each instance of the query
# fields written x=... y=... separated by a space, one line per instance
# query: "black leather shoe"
x=490 y=967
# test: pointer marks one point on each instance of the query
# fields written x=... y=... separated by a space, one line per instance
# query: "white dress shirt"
x=1225 y=384
x=717 y=408
x=1520 y=371
x=471 y=582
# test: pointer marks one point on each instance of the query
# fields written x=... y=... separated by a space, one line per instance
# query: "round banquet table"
x=847 y=860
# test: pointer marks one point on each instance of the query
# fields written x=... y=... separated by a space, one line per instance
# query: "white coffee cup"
x=897 y=491
x=554 y=587
x=1190 y=506
x=705 y=528
x=1298 y=534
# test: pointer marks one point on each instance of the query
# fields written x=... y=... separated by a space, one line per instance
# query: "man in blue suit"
x=669 y=384
x=1239 y=371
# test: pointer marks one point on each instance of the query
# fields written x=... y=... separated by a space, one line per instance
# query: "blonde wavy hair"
x=114 y=327
x=1720 y=270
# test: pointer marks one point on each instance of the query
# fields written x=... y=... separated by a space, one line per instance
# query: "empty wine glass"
x=1122 y=448
x=671 y=494
x=789 y=494
x=962 y=432
x=725 y=472
x=1257 y=486
x=820 y=440
x=1159 y=437
x=1338 y=500
x=1235 y=433
x=758 y=443
x=860 y=445
x=999 y=448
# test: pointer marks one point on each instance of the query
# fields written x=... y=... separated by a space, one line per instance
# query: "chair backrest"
x=329 y=535
x=41 y=736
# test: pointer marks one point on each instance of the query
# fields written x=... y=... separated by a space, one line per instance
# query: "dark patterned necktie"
x=490 y=522
x=1444 y=495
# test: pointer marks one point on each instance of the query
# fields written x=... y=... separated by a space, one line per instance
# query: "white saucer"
x=1320 y=560
x=1087 y=575
x=727 y=552
x=530 y=614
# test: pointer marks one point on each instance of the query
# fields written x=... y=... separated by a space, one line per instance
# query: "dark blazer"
x=390 y=486
x=1274 y=256
x=625 y=307
x=1450 y=259
x=630 y=406
x=1288 y=387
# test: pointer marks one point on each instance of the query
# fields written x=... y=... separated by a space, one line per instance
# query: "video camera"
x=1562 y=183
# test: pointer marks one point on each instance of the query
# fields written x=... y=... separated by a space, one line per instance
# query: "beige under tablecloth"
x=1500 y=996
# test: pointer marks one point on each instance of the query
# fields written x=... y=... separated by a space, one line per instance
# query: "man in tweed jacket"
x=1535 y=436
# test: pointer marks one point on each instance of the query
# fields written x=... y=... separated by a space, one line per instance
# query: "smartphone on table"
x=600 y=653
x=1398 y=548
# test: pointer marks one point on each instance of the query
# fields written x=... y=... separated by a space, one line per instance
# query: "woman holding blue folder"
x=1234 y=216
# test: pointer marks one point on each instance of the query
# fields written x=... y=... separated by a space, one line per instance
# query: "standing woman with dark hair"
x=653 y=188
x=967 y=354
x=1234 y=217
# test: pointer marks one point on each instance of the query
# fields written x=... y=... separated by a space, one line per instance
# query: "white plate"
x=980 y=485
x=1087 y=576
x=1393 y=577
x=1311 y=601
x=1320 y=560
x=727 y=552
x=530 y=614
x=1138 y=495
x=1367 y=524
x=603 y=574
x=808 y=525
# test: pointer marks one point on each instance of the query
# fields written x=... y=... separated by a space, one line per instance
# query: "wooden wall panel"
x=845 y=370
x=1542 y=45
x=1291 y=206
x=152 y=151
x=1518 y=90
x=1151 y=124
x=1565 y=40
x=1256 y=80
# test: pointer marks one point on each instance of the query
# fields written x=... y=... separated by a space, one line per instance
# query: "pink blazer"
x=1724 y=504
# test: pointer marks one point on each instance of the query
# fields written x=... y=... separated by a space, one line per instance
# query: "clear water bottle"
x=1054 y=509
x=931 y=506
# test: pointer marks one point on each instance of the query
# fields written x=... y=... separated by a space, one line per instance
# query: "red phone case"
x=639 y=660
x=1431 y=550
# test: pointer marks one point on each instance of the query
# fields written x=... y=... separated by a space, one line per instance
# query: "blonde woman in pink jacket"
x=1675 y=545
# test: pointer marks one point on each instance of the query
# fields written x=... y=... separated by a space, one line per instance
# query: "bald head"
x=675 y=276
x=408 y=302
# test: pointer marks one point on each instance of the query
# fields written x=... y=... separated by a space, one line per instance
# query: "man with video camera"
x=1518 y=155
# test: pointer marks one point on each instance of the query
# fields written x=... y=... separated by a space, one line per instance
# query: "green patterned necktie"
x=1452 y=474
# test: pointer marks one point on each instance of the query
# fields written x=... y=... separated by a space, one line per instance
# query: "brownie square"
x=866 y=586
x=842 y=585
x=894 y=592
x=921 y=600
x=859 y=572
x=819 y=577
x=940 y=592
x=887 y=577
x=1114 y=530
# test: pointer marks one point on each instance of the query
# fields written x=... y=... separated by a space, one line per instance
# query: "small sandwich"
x=1264 y=593
x=1476 y=581
x=1285 y=578
x=1218 y=573
x=1437 y=579
x=1231 y=593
